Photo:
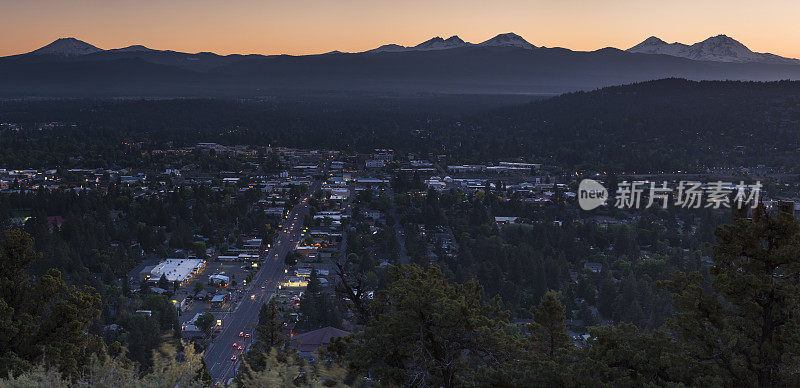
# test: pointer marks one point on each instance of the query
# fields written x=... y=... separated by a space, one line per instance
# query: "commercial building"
x=293 y=282
x=176 y=270
x=218 y=300
x=219 y=279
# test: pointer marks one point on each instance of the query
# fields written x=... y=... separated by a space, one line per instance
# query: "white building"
x=219 y=279
x=177 y=270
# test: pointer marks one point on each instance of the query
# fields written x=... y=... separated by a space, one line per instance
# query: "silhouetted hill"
x=663 y=125
x=462 y=69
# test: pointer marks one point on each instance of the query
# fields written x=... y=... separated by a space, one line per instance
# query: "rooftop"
x=177 y=269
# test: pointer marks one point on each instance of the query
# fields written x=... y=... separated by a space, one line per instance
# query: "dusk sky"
x=304 y=27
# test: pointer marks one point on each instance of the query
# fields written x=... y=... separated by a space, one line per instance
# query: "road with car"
x=222 y=357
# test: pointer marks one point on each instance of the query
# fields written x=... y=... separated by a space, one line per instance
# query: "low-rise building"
x=176 y=270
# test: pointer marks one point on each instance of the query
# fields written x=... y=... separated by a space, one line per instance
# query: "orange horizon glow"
x=286 y=27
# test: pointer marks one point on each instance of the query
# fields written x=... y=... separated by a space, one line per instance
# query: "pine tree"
x=605 y=301
x=42 y=316
x=310 y=303
x=746 y=327
x=126 y=286
x=163 y=283
x=202 y=374
x=550 y=332
x=428 y=331
x=268 y=330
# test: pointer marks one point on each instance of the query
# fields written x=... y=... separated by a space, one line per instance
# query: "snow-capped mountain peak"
x=723 y=49
x=654 y=45
x=720 y=48
x=455 y=40
x=67 y=47
x=722 y=39
x=437 y=43
x=509 y=39
x=652 y=41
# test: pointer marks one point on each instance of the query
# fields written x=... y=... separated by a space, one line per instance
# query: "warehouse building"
x=175 y=270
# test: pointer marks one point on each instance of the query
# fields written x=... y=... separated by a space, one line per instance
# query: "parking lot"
x=195 y=305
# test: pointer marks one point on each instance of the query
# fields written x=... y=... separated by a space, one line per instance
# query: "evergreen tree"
x=202 y=374
x=550 y=332
x=205 y=322
x=44 y=317
x=605 y=300
x=163 y=283
x=745 y=327
x=268 y=330
x=126 y=286
x=310 y=303
x=428 y=331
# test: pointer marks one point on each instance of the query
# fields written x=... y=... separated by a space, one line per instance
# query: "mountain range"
x=437 y=43
x=720 y=48
x=506 y=63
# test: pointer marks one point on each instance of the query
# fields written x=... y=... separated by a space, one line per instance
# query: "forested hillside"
x=664 y=125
